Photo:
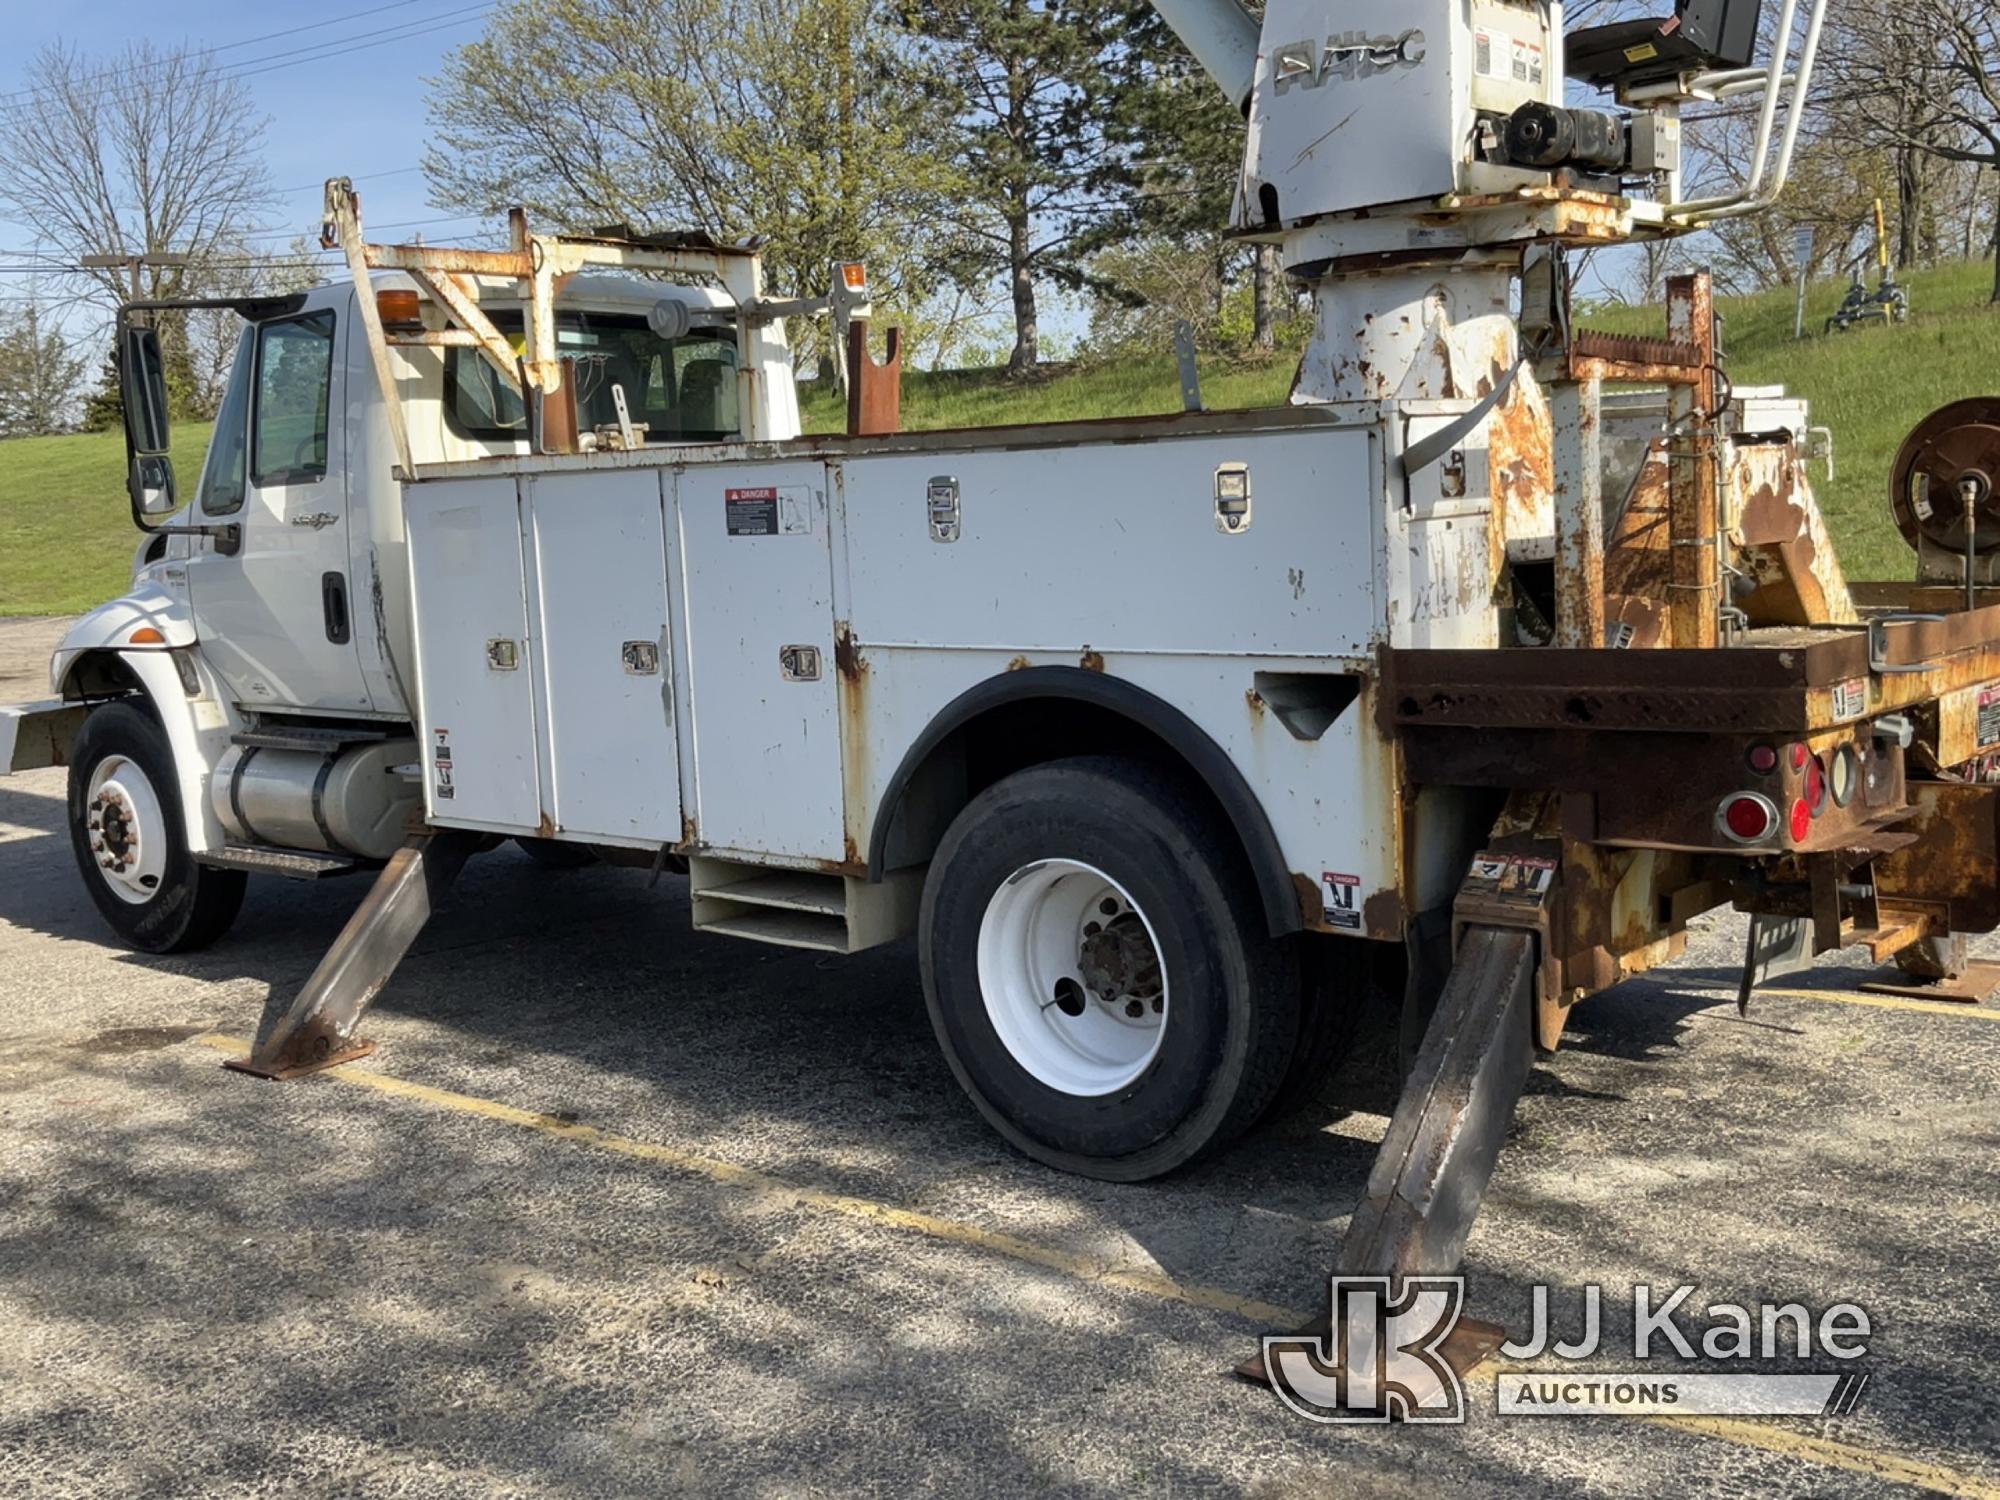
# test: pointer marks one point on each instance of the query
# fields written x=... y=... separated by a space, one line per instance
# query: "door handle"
x=333 y=600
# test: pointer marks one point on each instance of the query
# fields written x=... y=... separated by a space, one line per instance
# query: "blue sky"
x=361 y=113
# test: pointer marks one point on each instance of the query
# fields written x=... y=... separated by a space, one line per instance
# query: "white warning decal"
x=1341 y=897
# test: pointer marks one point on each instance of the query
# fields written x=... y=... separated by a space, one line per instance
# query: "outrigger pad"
x=1973 y=987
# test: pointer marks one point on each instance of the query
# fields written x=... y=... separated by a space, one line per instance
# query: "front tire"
x=126 y=829
x=1097 y=970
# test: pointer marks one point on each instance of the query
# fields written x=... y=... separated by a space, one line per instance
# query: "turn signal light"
x=146 y=635
x=1747 y=818
x=854 y=276
x=1815 y=785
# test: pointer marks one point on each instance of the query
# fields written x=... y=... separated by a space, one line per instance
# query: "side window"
x=294 y=371
x=222 y=477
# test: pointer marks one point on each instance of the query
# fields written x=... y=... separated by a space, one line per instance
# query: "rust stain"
x=1018 y=664
x=1383 y=915
x=1258 y=707
x=546 y=829
x=1091 y=661
x=852 y=669
x=1521 y=447
x=1312 y=906
x=690 y=835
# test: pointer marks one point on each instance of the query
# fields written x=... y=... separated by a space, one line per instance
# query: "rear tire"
x=1337 y=983
x=1097 y=969
x=125 y=808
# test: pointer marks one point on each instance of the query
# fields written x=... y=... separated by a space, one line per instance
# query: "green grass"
x=66 y=533
x=66 y=541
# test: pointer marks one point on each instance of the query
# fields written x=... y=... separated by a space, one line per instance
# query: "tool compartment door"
x=756 y=553
x=598 y=545
x=474 y=680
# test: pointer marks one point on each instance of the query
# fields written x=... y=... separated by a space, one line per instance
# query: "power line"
x=269 y=36
x=320 y=186
x=319 y=51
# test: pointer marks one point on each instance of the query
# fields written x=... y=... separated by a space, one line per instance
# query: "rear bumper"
x=34 y=735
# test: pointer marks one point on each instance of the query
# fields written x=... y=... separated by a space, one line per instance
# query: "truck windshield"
x=683 y=390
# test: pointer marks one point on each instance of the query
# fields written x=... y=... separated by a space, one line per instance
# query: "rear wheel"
x=1097 y=971
x=130 y=841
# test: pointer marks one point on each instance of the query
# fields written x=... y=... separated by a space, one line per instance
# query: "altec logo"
x=1347 y=54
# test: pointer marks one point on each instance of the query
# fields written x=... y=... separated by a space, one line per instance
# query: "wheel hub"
x=127 y=829
x=1071 y=975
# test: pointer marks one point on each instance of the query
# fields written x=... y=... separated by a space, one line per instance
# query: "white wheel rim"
x=127 y=829
x=1069 y=968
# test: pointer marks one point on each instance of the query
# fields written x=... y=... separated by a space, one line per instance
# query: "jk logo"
x=1381 y=1361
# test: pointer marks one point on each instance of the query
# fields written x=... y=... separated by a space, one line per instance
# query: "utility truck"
x=1169 y=738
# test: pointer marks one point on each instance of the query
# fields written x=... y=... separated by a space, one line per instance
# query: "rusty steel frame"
x=539 y=265
x=318 y=1030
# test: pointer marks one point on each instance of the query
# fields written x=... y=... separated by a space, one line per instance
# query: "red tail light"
x=1815 y=785
x=1801 y=821
x=1800 y=755
x=1747 y=818
x=1763 y=759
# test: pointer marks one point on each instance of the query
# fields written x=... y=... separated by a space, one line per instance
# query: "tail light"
x=1800 y=755
x=1801 y=821
x=1763 y=759
x=1815 y=786
x=1747 y=817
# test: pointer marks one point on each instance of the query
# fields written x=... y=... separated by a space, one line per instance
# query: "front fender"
x=160 y=616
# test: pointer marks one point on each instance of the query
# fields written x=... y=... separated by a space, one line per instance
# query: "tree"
x=1026 y=80
x=1173 y=177
x=796 y=120
x=157 y=154
x=1924 y=77
x=40 y=374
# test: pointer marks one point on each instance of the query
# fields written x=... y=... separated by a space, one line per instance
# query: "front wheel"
x=130 y=842
x=1097 y=972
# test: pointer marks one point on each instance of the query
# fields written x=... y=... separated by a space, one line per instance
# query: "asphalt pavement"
x=617 y=1209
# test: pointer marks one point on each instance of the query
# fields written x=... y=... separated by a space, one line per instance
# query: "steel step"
x=788 y=890
x=293 y=864
x=299 y=737
x=788 y=929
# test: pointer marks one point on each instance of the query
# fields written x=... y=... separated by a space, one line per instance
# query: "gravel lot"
x=617 y=1209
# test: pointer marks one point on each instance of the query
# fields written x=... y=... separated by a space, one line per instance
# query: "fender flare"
x=197 y=729
x=1276 y=889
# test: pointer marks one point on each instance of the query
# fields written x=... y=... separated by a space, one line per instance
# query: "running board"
x=1444 y=1139
x=318 y=1031
x=292 y=864
x=809 y=909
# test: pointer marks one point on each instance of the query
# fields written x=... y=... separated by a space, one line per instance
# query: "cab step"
x=309 y=738
x=801 y=908
x=292 y=864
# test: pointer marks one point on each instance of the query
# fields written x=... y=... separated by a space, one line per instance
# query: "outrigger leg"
x=318 y=1031
x=1429 y=1177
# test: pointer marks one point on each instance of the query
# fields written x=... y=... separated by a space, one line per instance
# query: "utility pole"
x=133 y=265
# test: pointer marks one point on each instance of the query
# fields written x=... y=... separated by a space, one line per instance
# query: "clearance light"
x=1747 y=818
x=854 y=276
x=146 y=635
x=399 y=308
x=1763 y=759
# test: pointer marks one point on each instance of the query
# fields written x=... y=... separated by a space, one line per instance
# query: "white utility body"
x=528 y=543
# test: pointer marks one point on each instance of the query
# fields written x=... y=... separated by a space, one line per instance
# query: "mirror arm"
x=228 y=539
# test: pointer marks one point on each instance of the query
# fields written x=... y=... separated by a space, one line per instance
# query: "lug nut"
x=1134 y=1009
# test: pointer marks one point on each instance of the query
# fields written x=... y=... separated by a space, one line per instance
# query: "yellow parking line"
x=1804 y=1446
x=1890 y=1002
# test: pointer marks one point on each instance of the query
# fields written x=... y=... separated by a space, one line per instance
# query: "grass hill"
x=66 y=542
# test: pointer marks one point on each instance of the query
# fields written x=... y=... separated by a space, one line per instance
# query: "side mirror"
x=142 y=386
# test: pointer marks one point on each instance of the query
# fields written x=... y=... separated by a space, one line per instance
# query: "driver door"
x=277 y=619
